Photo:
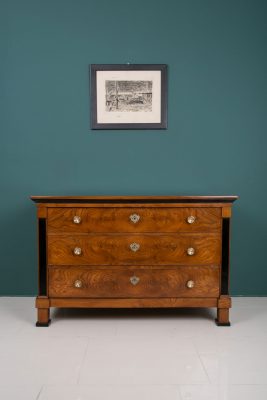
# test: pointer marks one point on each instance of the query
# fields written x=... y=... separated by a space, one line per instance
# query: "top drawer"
x=133 y=219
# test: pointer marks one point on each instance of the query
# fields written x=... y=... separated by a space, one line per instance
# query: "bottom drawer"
x=134 y=283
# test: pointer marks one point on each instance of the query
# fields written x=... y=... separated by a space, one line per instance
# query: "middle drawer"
x=148 y=249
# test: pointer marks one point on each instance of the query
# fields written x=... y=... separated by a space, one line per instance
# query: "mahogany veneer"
x=110 y=283
x=133 y=251
x=164 y=249
x=115 y=219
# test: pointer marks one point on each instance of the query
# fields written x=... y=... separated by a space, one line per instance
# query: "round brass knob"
x=77 y=219
x=134 y=246
x=190 y=251
x=77 y=251
x=78 y=283
x=191 y=219
x=190 y=284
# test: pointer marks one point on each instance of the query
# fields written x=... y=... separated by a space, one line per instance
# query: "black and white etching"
x=130 y=96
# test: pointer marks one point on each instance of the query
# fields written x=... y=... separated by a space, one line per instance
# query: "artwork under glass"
x=128 y=96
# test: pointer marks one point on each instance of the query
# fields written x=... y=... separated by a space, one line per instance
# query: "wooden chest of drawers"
x=133 y=251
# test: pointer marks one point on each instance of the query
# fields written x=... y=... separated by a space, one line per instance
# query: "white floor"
x=126 y=355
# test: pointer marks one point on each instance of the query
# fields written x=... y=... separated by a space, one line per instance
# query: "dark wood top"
x=134 y=199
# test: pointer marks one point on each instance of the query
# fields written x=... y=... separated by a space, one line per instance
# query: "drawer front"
x=180 y=282
x=138 y=219
x=171 y=249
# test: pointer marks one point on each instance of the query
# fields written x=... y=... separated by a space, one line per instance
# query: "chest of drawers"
x=133 y=252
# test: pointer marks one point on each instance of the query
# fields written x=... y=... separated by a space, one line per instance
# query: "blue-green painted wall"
x=215 y=143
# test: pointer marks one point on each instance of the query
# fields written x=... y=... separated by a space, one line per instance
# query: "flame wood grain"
x=154 y=249
x=112 y=283
x=114 y=219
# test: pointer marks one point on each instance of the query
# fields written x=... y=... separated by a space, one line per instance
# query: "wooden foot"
x=222 y=317
x=43 y=317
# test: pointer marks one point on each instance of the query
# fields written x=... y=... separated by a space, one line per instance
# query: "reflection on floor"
x=133 y=354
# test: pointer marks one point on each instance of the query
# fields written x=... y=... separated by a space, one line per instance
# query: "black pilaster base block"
x=43 y=324
x=222 y=323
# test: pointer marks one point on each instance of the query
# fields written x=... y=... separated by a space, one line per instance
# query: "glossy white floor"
x=126 y=355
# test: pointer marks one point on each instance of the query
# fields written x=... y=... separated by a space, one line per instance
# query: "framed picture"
x=128 y=96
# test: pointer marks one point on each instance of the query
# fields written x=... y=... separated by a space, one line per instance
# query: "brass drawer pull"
x=77 y=219
x=77 y=251
x=191 y=251
x=78 y=283
x=190 y=284
x=191 y=219
x=134 y=218
x=134 y=280
x=134 y=246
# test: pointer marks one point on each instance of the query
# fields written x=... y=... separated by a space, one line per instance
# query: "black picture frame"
x=150 y=106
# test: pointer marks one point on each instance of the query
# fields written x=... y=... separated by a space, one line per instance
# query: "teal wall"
x=216 y=141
